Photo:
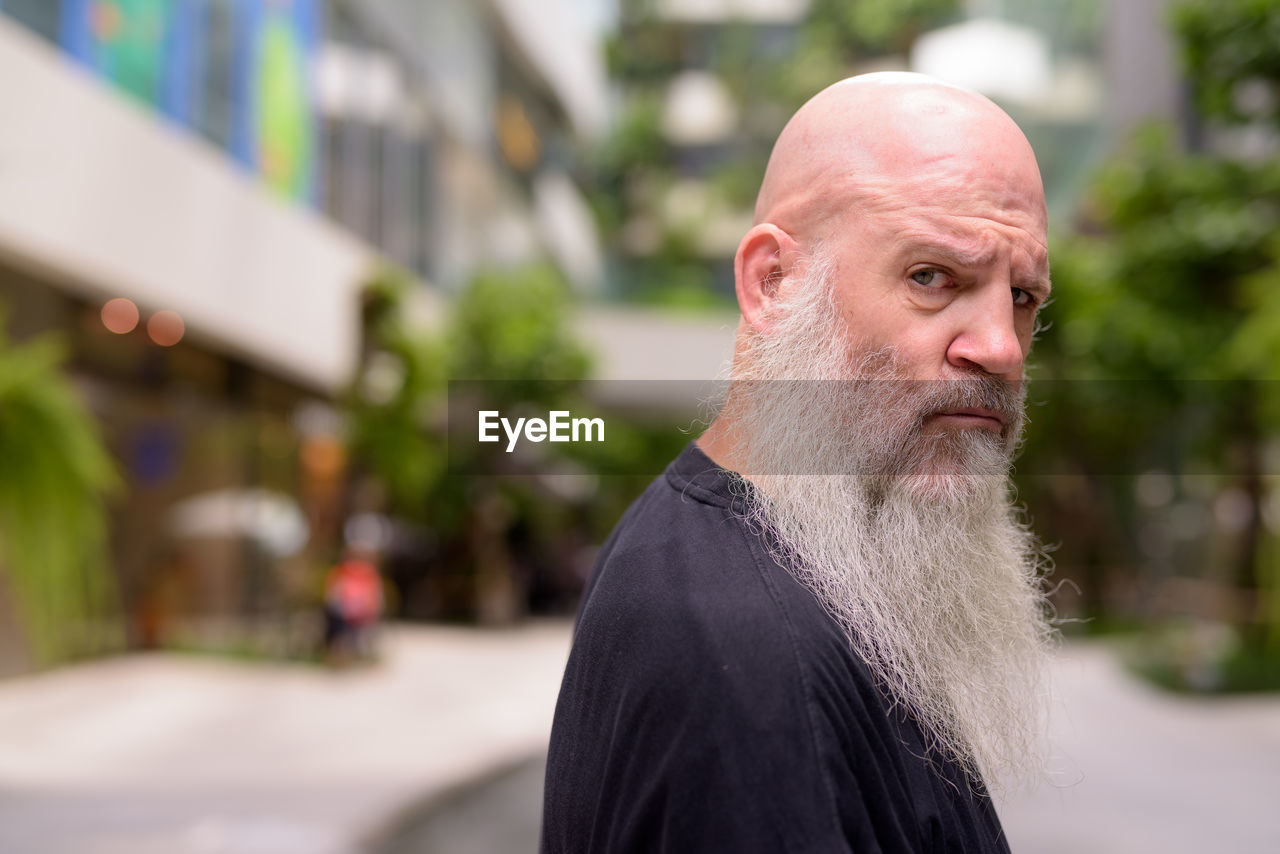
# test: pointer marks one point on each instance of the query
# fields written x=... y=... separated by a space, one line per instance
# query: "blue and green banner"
x=128 y=42
x=158 y=51
x=276 y=128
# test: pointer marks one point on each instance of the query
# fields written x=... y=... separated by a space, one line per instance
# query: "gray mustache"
x=980 y=392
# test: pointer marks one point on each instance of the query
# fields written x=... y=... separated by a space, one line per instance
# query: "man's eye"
x=1022 y=298
x=930 y=278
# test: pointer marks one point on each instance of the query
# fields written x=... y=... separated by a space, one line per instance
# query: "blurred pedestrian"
x=353 y=602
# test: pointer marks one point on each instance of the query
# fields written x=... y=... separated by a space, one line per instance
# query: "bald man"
x=822 y=628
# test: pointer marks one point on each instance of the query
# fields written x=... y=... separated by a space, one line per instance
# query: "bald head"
x=893 y=131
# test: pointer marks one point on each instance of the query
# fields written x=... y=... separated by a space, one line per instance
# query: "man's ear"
x=765 y=257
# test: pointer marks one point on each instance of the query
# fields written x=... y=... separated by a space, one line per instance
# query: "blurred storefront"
x=193 y=192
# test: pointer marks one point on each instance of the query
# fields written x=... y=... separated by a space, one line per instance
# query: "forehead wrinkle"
x=940 y=200
x=982 y=250
x=971 y=245
x=938 y=203
x=978 y=251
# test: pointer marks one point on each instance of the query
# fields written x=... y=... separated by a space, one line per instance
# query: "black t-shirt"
x=711 y=704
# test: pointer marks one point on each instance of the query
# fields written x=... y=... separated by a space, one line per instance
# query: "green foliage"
x=1203 y=658
x=1173 y=280
x=1164 y=330
x=647 y=51
x=768 y=71
x=508 y=331
x=1177 y=281
x=506 y=345
x=57 y=475
x=1229 y=47
x=1255 y=349
x=684 y=289
x=1173 y=284
x=621 y=163
x=1167 y=304
x=395 y=400
x=512 y=324
x=874 y=27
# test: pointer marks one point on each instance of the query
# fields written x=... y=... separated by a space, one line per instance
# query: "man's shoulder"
x=686 y=590
x=684 y=564
x=703 y=672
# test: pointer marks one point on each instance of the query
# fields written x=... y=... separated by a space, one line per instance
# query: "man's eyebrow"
x=1041 y=285
x=947 y=252
x=960 y=257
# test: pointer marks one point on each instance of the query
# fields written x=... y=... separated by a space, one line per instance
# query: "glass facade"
x=39 y=16
x=246 y=75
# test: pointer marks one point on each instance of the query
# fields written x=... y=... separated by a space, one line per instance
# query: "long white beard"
x=906 y=535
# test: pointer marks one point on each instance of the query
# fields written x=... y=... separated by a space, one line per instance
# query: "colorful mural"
x=156 y=51
x=124 y=41
x=281 y=135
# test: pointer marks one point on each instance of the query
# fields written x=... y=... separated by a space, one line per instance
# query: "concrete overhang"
x=105 y=199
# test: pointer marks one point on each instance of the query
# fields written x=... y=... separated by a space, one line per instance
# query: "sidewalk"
x=170 y=754
x=1141 y=771
x=175 y=754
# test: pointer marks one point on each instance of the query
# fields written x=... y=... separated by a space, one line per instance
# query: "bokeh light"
x=166 y=328
x=120 y=316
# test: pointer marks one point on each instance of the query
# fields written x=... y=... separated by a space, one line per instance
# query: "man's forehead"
x=964 y=205
x=964 y=215
x=896 y=138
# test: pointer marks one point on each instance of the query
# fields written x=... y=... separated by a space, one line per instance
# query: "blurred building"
x=706 y=86
x=696 y=122
x=194 y=192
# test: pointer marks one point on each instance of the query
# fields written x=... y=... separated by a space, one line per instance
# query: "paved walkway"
x=170 y=754
x=174 y=754
x=1142 y=771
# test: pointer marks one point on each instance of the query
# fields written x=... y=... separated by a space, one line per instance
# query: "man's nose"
x=988 y=338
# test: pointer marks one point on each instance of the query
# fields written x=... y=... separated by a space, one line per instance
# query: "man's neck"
x=718 y=443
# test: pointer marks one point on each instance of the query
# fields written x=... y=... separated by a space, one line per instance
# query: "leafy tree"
x=639 y=178
x=1231 y=51
x=1171 y=287
x=392 y=405
x=506 y=341
x=873 y=27
x=57 y=477
x=512 y=325
x=510 y=332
